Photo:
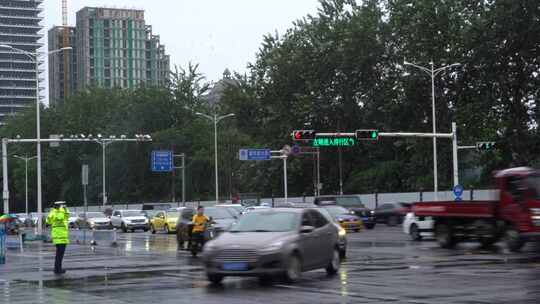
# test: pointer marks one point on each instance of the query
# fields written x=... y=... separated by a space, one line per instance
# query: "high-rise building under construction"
x=116 y=48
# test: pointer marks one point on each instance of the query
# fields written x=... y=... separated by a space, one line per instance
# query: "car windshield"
x=233 y=210
x=337 y=210
x=94 y=214
x=217 y=213
x=173 y=214
x=132 y=213
x=351 y=201
x=326 y=214
x=267 y=221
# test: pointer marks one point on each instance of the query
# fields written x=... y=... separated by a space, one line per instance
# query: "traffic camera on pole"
x=303 y=135
x=367 y=134
x=485 y=146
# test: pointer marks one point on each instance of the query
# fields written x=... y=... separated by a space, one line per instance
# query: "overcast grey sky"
x=217 y=34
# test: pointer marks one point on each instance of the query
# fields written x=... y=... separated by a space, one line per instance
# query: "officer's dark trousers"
x=60 y=250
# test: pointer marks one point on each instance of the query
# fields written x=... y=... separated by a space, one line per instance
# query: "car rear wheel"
x=486 y=233
x=445 y=235
x=333 y=265
x=214 y=278
x=294 y=269
x=414 y=232
x=124 y=228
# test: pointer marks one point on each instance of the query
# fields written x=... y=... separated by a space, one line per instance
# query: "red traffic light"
x=305 y=135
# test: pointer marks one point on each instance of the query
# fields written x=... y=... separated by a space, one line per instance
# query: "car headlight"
x=535 y=211
x=273 y=247
x=342 y=232
x=372 y=212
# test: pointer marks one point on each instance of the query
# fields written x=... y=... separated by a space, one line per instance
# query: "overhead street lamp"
x=215 y=119
x=34 y=58
x=104 y=142
x=433 y=72
x=59 y=139
x=26 y=159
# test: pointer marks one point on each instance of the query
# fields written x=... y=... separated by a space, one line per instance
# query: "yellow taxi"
x=164 y=221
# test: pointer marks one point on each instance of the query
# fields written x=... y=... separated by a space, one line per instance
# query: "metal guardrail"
x=104 y=237
x=94 y=237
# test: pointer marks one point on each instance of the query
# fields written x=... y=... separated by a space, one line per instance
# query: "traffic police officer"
x=58 y=220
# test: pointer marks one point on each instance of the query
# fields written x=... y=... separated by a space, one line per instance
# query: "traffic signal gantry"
x=334 y=139
x=350 y=139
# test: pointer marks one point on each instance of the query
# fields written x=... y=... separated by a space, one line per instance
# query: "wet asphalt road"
x=382 y=266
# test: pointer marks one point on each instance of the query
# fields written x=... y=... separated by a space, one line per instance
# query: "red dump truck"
x=514 y=217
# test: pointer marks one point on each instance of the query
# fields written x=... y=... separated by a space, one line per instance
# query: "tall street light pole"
x=26 y=159
x=103 y=145
x=433 y=72
x=104 y=142
x=215 y=119
x=34 y=58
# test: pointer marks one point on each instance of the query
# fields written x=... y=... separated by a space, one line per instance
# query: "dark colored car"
x=222 y=218
x=392 y=213
x=346 y=218
x=275 y=241
x=353 y=203
x=184 y=226
x=342 y=233
x=156 y=206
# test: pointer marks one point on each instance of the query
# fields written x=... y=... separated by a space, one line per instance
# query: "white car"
x=129 y=220
x=253 y=208
x=72 y=221
x=418 y=227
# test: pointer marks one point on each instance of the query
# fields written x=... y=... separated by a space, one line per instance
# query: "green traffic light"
x=374 y=134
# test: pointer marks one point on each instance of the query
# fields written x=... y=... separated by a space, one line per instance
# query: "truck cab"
x=514 y=217
x=520 y=198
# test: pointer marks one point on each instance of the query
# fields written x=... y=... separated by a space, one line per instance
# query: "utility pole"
x=433 y=72
x=215 y=119
x=25 y=159
x=183 y=167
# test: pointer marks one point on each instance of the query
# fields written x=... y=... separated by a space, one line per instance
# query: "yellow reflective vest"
x=58 y=219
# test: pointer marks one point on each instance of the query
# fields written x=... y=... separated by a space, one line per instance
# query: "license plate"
x=365 y=219
x=235 y=266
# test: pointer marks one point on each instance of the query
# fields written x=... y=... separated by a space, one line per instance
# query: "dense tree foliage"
x=341 y=69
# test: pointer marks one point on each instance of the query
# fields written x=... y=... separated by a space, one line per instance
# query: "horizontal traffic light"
x=303 y=135
x=486 y=145
x=367 y=134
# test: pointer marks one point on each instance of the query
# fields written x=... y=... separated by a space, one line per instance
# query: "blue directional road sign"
x=458 y=192
x=255 y=154
x=162 y=161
